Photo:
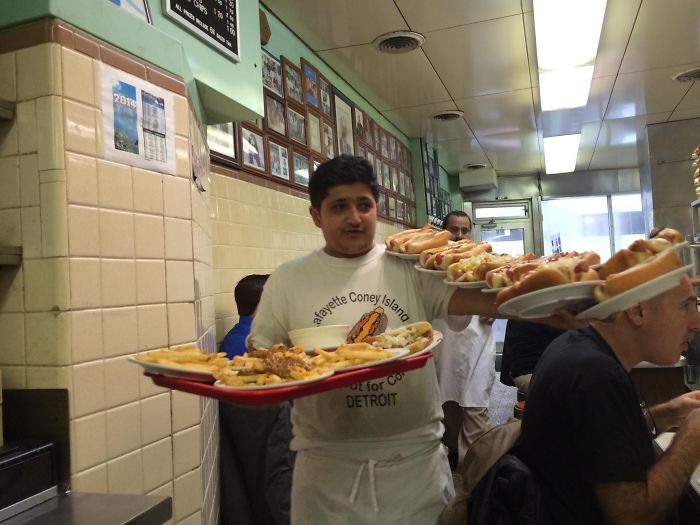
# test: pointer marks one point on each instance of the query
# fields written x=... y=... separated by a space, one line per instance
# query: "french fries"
x=188 y=357
x=349 y=355
x=269 y=366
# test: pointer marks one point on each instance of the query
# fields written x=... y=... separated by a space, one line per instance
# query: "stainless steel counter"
x=97 y=509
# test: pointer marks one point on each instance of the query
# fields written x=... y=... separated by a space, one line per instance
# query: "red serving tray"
x=277 y=395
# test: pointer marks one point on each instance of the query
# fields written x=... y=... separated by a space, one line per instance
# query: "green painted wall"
x=222 y=90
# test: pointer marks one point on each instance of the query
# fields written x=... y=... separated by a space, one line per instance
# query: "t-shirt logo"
x=371 y=323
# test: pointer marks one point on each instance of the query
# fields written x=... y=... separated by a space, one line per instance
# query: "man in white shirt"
x=369 y=453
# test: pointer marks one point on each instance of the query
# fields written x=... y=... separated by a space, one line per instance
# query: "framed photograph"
x=324 y=89
x=252 y=149
x=316 y=164
x=272 y=74
x=301 y=168
x=370 y=157
x=328 y=141
x=381 y=205
x=221 y=139
x=399 y=210
x=310 y=83
x=359 y=124
x=392 y=207
x=274 y=115
x=292 y=81
x=343 y=123
x=402 y=184
x=392 y=148
x=362 y=151
x=313 y=132
x=279 y=160
x=378 y=170
x=395 y=179
x=386 y=176
x=297 y=125
x=385 y=144
x=369 y=136
x=375 y=136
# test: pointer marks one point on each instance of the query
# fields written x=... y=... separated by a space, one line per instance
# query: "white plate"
x=639 y=293
x=465 y=284
x=397 y=354
x=409 y=256
x=545 y=302
x=275 y=385
x=431 y=272
x=492 y=290
x=174 y=371
x=437 y=339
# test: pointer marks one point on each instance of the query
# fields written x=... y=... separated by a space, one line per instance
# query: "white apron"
x=465 y=361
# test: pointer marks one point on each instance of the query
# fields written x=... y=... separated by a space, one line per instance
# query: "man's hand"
x=673 y=413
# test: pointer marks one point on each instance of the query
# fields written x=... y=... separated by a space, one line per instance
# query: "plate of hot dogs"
x=408 y=244
x=540 y=287
x=640 y=282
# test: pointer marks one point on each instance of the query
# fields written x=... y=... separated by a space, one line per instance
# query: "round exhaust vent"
x=444 y=116
x=688 y=76
x=474 y=166
x=398 y=42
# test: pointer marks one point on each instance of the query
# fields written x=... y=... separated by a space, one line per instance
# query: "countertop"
x=78 y=508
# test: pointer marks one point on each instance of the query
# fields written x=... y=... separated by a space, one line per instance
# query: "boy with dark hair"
x=255 y=460
x=370 y=453
x=247 y=295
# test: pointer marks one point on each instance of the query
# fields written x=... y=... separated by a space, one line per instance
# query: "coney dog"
x=393 y=241
x=427 y=257
x=424 y=241
x=618 y=283
x=512 y=272
x=414 y=336
x=474 y=268
x=562 y=270
x=640 y=251
x=443 y=260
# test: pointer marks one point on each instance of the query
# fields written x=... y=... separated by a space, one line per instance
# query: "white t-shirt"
x=317 y=290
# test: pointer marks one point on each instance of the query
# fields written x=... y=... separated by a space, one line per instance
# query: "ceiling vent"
x=474 y=166
x=445 y=116
x=398 y=42
x=690 y=75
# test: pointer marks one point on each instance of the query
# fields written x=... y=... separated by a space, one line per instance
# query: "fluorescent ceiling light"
x=560 y=153
x=567 y=34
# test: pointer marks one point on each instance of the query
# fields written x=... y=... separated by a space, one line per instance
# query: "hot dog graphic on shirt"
x=371 y=323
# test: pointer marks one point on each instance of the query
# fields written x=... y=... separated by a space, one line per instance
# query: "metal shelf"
x=10 y=255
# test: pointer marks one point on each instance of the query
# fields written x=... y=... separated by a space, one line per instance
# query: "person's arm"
x=471 y=301
x=671 y=414
x=650 y=502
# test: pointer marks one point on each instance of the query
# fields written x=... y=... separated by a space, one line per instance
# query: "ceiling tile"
x=691 y=100
x=425 y=16
x=614 y=158
x=639 y=93
x=327 y=25
x=454 y=154
x=598 y=98
x=395 y=81
x=417 y=122
x=512 y=153
x=617 y=26
x=508 y=112
x=682 y=114
x=664 y=34
x=480 y=59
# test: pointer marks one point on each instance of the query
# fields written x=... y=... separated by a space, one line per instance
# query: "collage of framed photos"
x=437 y=200
x=307 y=120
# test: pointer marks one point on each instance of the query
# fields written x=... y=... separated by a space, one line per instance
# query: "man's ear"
x=315 y=216
x=638 y=313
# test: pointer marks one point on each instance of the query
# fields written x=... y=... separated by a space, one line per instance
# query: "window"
x=589 y=223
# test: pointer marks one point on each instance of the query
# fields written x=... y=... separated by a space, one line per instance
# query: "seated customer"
x=586 y=435
x=255 y=462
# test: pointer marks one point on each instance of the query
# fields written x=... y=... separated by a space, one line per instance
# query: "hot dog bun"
x=427 y=257
x=535 y=280
x=393 y=241
x=618 y=283
x=425 y=241
x=443 y=260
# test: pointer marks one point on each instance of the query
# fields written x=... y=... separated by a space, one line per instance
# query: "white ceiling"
x=479 y=56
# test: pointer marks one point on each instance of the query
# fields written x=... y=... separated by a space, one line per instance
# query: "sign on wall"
x=138 y=122
x=214 y=21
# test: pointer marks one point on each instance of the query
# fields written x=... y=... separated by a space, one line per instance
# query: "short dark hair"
x=455 y=213
x=344 y=169
x=248 y=291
